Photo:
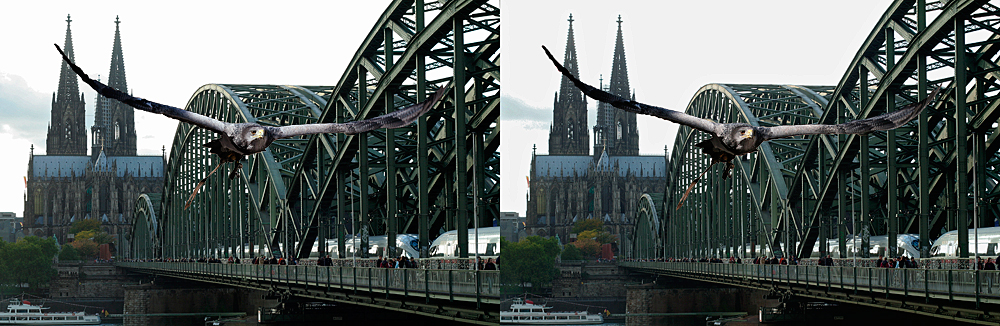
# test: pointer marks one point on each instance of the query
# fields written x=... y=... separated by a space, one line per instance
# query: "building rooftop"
x=48 y=166
x=568 y=166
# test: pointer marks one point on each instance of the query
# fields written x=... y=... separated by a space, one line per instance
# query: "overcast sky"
x=170 y=48
x=672 y=49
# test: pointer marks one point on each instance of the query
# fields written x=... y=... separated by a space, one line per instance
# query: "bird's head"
x=257 y=133
x=746 y=133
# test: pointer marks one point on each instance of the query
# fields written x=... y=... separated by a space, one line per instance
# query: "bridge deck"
x=966 y=295
x=462 y=294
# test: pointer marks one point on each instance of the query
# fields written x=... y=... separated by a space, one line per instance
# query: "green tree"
x=28 y=261
x=600 y=236
x=530 y=261
x=47 y=245
x=85 y=225
x=69 y=252
x=588 y=224
x=570 y=252
x=102 y=238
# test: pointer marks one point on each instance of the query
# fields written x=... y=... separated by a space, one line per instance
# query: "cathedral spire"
x=568 y=135
x=114 y=122
x=619 y=68
x=68 y=86
x=619 y=126
x=66 y=134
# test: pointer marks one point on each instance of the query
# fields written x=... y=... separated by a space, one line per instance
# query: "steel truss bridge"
x=937 y=173
x=441 y=173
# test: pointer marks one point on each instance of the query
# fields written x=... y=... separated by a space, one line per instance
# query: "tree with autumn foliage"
x=88 y=237
x=590 y=235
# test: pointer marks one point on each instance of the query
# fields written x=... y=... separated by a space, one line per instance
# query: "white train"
x=907 y=245
x=946 y=245
x=446 y=245
x=406 y=244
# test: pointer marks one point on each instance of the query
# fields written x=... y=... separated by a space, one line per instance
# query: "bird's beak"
x=748 y=134
x=258 y=134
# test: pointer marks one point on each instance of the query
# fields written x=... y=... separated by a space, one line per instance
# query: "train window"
x=490 y=247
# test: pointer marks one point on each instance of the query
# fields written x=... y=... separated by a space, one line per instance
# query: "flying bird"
x=237 y=140
x=730 y=140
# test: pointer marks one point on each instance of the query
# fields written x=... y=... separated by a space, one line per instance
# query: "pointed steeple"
x=66 y=134
x=620 y=125
x=619 y=68
x=114 y=122
x=568 y=135
x=68 y=85
x=116 y=78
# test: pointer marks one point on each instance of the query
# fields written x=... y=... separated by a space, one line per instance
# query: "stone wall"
x=685 y=297
x=90 y=280
x=578 y=279
x=184 y=297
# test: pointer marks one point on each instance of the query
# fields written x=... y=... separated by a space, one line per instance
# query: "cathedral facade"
x=66 y=184
x=570 y=184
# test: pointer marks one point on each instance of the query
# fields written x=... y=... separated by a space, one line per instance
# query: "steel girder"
x=943 y=167
x=143 y=239
x=646 y=242
x=419 y=179
x=304 y=190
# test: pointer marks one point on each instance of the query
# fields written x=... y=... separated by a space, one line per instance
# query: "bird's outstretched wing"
x=887 y=121
x=148 y=106
x=633 y=106
x=394 y=119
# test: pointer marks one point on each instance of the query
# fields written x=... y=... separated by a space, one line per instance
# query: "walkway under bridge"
x=937 y=173
x=289 y=201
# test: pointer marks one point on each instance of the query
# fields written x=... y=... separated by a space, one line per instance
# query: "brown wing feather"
x=633 y=106
x=394 y=119
x=888 y=121
x=142 y=104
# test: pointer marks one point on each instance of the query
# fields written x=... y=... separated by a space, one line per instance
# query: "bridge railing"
x=968 y=285
x=463 y=285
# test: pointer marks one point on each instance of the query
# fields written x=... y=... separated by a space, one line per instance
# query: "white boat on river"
x=24 y=313
x=525 y=312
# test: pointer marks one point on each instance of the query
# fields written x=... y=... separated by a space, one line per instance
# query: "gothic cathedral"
x=66 y=184
x=570 y=184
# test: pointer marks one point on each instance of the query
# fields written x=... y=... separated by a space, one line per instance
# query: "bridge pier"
x=670 y=295
x=167 y=296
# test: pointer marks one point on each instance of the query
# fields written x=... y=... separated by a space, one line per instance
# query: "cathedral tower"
x=616 y=129
x=114 y=122
x=568 y=135
x=67 y=135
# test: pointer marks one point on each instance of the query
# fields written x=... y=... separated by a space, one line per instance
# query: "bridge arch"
x=144 y=236
x=302 y=192
x=646 y=242
x=792 y=192
x=706 y=224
